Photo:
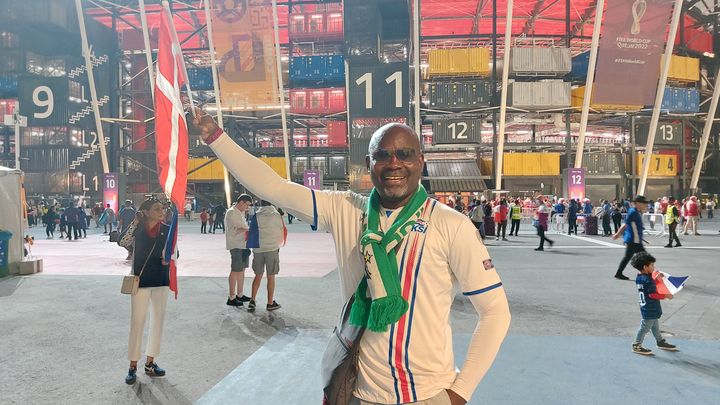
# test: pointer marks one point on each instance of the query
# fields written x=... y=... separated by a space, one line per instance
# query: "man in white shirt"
x=236 y=227
x=410 y=359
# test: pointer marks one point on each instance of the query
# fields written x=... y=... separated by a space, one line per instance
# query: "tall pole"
x=416 y=62
x=16 y=121
x=281 y=93
x=706 y=134
x=503 y=95
x=216 y=90
x=91 y=82
x=589 y=83
x=659 y=96
x=148 y=50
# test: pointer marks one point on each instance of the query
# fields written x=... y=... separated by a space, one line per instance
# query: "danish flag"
x=171 y=133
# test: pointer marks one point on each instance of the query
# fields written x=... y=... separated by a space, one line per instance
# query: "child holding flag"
x=650 y=308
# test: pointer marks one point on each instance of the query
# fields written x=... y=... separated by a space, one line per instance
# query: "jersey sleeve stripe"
x=482 y=290
x=315 y=214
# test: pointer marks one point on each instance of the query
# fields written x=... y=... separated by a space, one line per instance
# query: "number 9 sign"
x=43 y=99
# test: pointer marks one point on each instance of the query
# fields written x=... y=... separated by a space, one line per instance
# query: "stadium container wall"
x=7 y=107
x=681 y=100
x=539 y=95
x=461 y=95
x=200 y=78
x=537 y=61
x=576 y=100
x=459 y=62
x=337 y=134
x=317 y=101
x=315 y=70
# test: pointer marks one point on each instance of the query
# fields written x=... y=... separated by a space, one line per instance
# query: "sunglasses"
x=406 y=155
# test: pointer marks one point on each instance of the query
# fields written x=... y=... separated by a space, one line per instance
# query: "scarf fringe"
x=385 y=311
x=360 y=311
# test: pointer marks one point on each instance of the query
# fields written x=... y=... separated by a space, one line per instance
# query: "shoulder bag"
x=131 y=282
x=339 y=362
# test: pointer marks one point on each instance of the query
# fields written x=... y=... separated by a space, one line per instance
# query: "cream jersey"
x=413 y=360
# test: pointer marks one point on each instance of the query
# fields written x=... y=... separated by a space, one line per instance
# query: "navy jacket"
x=156 y=274
x=649 y=308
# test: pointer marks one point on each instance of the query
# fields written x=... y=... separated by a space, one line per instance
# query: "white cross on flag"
x=171 y=133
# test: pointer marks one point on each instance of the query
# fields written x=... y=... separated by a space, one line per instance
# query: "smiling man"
x=399 y=252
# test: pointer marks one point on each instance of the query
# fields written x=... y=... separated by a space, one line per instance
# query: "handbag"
x=339 y=366
x=131 y=282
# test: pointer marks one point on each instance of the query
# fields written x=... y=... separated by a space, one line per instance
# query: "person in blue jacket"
x=632 y=231
x=650 y=307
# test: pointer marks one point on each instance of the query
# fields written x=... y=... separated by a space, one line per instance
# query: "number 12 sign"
x=575 y=183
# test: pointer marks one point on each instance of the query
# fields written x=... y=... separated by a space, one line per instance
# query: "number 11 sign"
x=312 y=179
x=575 y=183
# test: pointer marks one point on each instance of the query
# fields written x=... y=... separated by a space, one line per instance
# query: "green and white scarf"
x=386 y=305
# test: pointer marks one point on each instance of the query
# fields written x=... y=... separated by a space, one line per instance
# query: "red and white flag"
x=171 y=132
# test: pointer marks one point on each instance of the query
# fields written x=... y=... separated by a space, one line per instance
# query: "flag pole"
x=216 y=91
x=148 y=50
x=281 y=96
x=176 y=42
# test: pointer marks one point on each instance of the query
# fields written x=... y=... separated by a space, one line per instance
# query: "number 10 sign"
x=575 y=183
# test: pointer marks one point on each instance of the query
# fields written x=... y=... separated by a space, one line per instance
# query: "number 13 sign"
x=380 y=90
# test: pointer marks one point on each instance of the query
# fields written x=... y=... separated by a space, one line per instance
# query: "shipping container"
x=318 y=25
x=12 y=61
x=317 y=101
x=7 y=107
x=579 y=69
x=544 y=94
x=577 y=102
x=200 y=78
x=8 y=85
x=531 y=164
x=681 y=100
x=684 y=69
x=461 y=95
x=459 y=62
x=337 y=134
x=338 y=167
x=539 y=61
x=319 y=69
x=603 y=163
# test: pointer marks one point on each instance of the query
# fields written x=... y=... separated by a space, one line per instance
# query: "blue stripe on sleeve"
x=482 y=290
x=315 y=215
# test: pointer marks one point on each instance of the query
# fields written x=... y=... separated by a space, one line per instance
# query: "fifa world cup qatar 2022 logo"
x=638 y=11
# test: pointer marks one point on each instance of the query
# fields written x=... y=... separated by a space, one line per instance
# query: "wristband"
x=212 y=138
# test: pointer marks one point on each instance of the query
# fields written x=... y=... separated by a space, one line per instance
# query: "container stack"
x=459 y=79
x=538 y=73
x=317 y=91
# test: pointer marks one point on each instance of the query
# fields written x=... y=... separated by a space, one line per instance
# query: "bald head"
x=388 y=129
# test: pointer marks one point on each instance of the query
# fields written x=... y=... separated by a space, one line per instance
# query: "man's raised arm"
x=253 y=173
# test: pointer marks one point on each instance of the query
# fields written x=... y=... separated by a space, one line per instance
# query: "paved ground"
x=64 y=332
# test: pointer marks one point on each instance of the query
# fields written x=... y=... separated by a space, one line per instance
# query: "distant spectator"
x=204 y=220
x=267 y=256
